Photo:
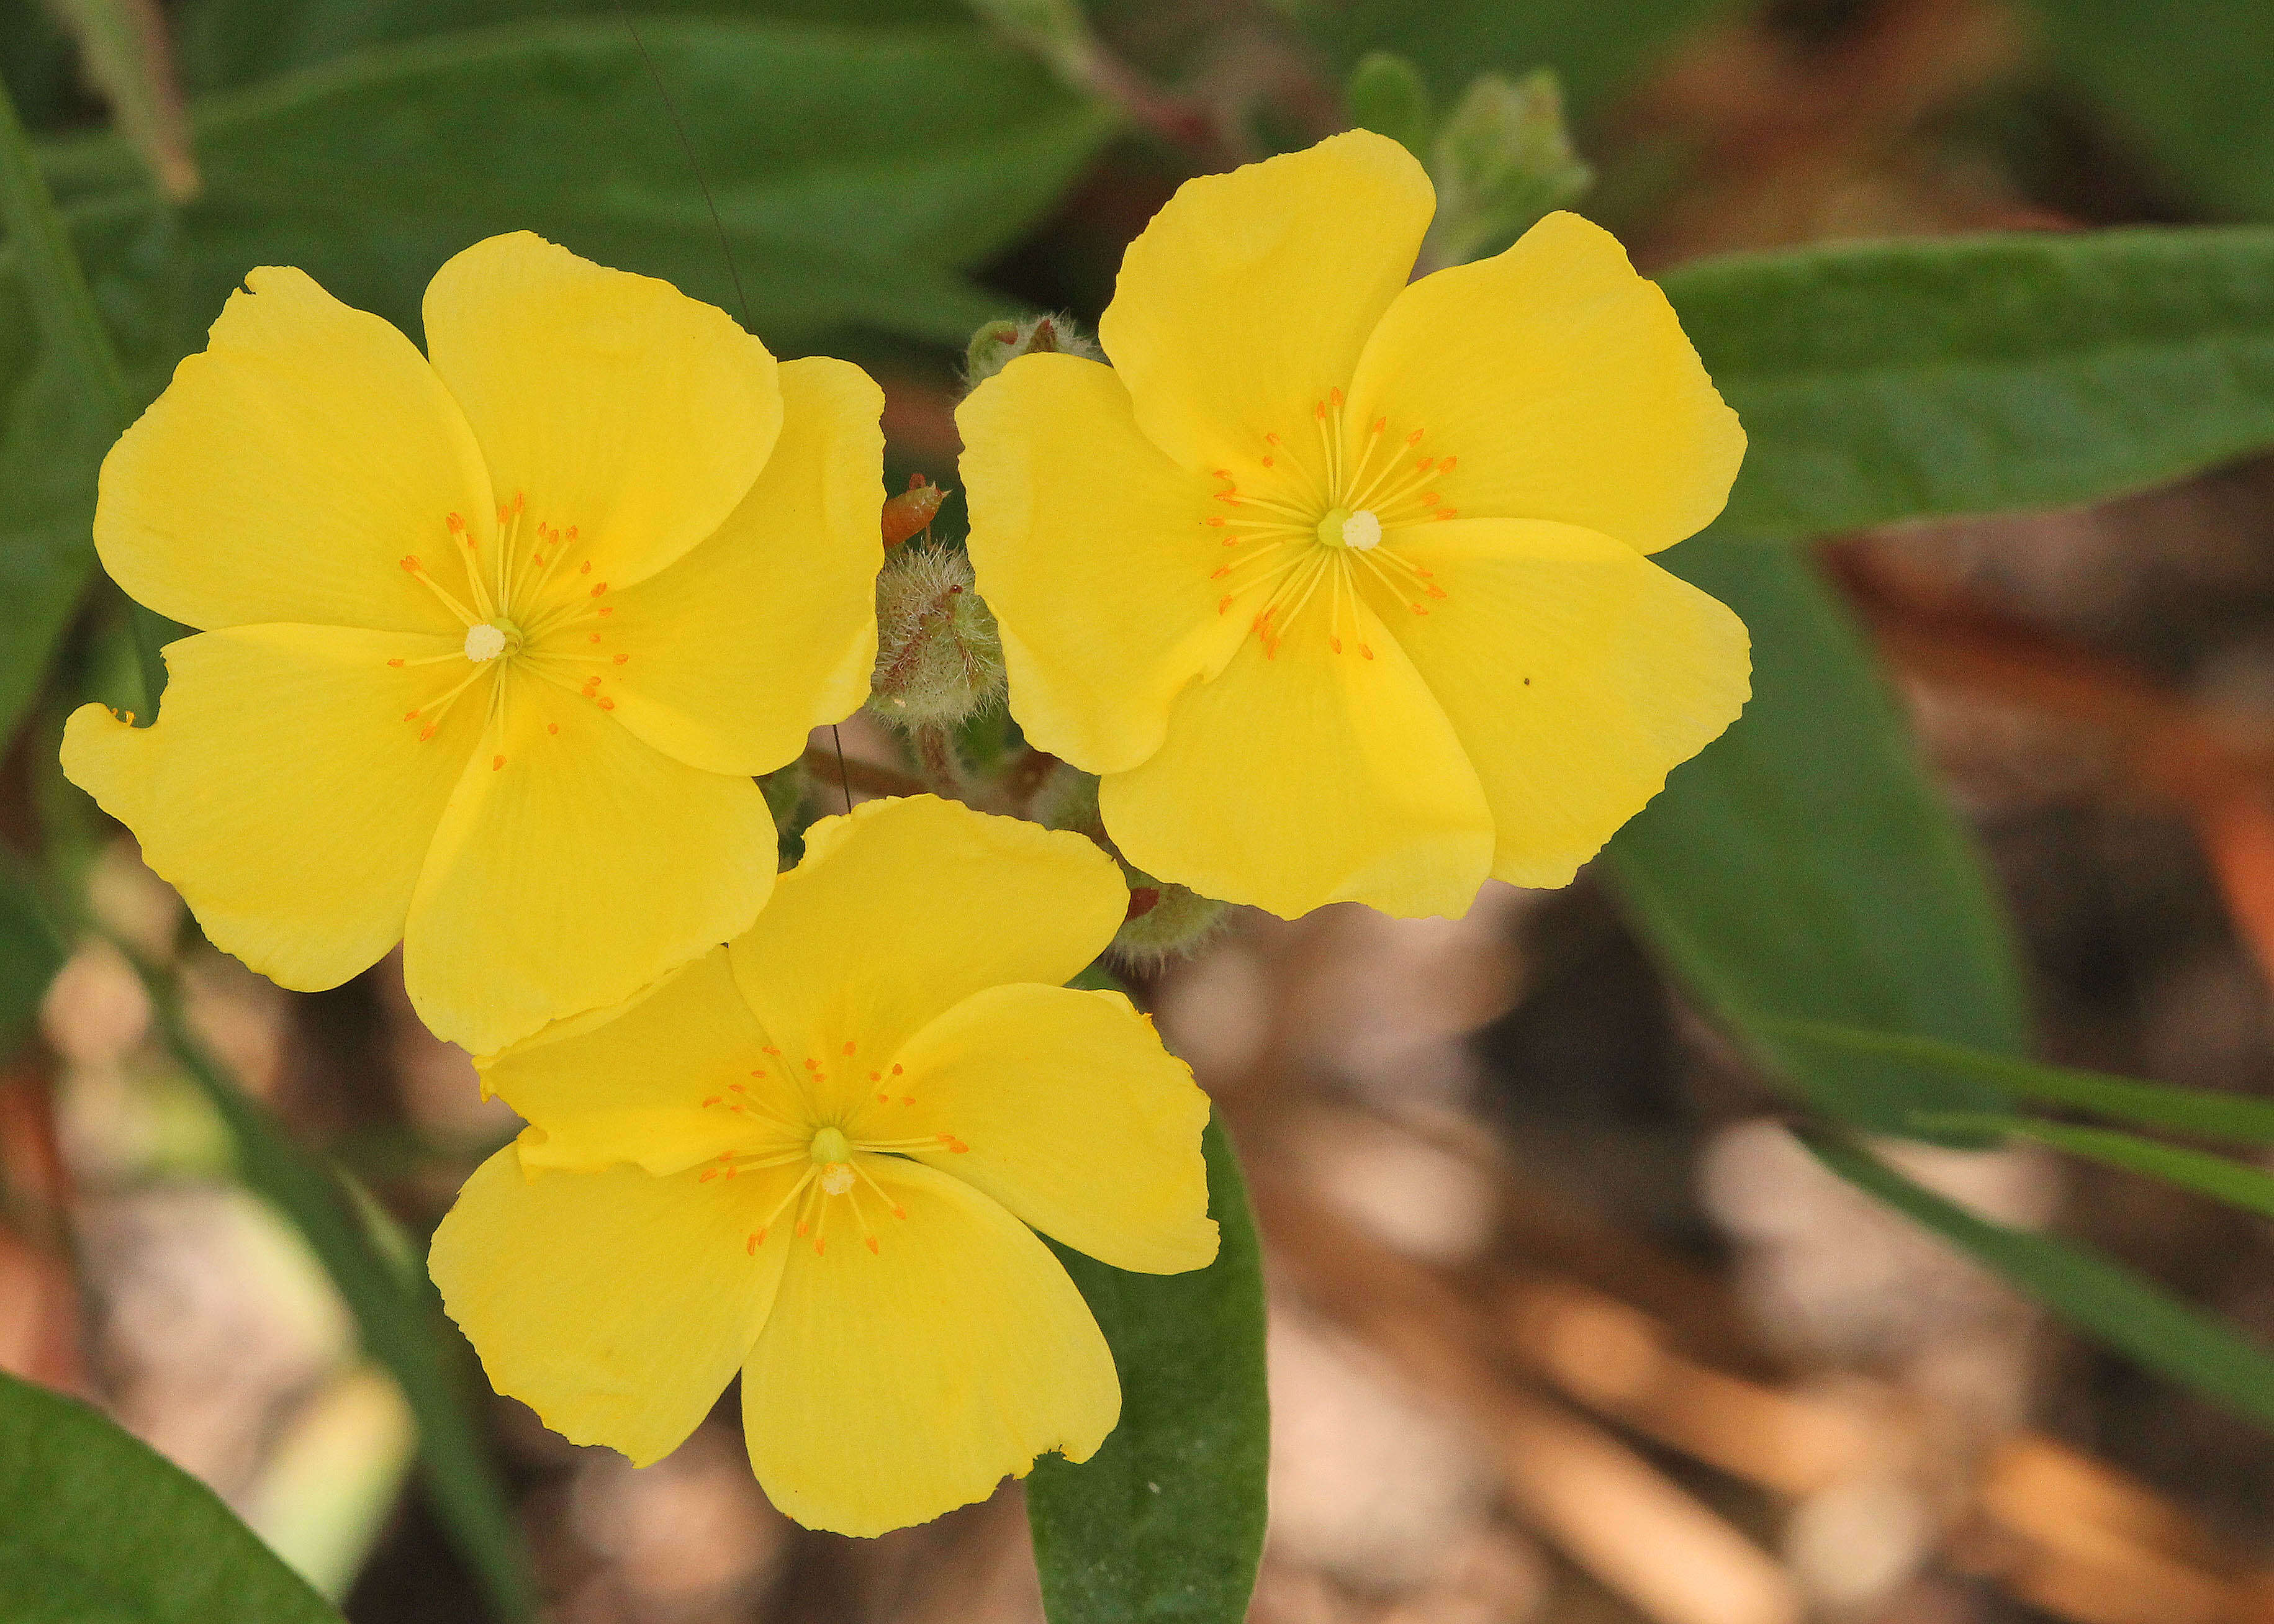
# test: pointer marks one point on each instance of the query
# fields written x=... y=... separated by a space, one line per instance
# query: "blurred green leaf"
x=2215 y=1176
x=2109 y=1302
x=229 y=44
x=1599 y=48
x=123 y=44
x=1501 y=160
x=1903 y=379
x=1801 y=866
x=2235 y=1118
x=31 y=954
x=2187 y=86
x=98 y=1528
x=396 y=1312
x=1387 y=95
x=856 y=172
x=1165 y=1523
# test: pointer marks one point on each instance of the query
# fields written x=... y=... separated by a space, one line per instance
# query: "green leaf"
x=2236 y=1118
x=124 y=43
x=31 y=954
x=856 y=172
x=1598 y=47
x=2187 y=86
x=2109 y=1302
x=1387 y=95
x=1802 y=867
x=396 y=1310
x=1903 y=380
x=98 y=1528
x=1165 y=1523
x=2216 y=1176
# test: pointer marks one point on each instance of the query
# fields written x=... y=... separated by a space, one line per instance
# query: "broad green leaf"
x=98 y=1528
x=2185 y=84
x=2107 y=1302
x=1879 y=381
x=2216 y=1176
x=1801 y=866
x=227 y=44
x=395 y=1312
x=1165 y=1523
x=854 y=171
x=2235 y=1118
x=1598 y=47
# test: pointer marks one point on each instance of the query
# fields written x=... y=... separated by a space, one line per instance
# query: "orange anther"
x=607 y=609
x=708 y=1176
x=1418 y=608
x=1218 y=520
x=896 y=1071
x=397 y=663
x=732 y=1171
x=898 y=1211
x=1436 y=591
x=496 y=762
x=599 y=589
x=872 y=1243
x=884 y=1098
x=1425 y=465
x=504 y=513
x=1219 y=572
x=876 y=1077
x=737 y=1087
x=1336 y=643
x=411 y=562
x=585 y=568
x=517 y=502
x=907 y=1099
x=1267 y=461
x=1232 y=497
x=818 y=1244
x=769 y=1049
x=411 y=716
x=811 y=1064
x=1334 y=395
x=757 y=1071
x=1362 y=648
x=848 y=1048
x=803 y=1227
x=713 y=1100
x=456 y=522
x=1446 y=467
x=595 y=637
x=754 y=1243
x=553 y=728
x=1224 y=602
x=621 y=658
x=1380 y=424
x=1223 y=473
x=608 y=704
x=1414 y=438
x=426 y=733
x=1430 y=499
x=572 y=536
x=1449 y=513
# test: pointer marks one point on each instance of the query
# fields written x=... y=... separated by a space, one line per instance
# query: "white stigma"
x=1361 y=531
x=836 y=1178
x=485 y=641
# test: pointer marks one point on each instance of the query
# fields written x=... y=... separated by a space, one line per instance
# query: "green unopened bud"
x=1501 y=161
x=998 y=343
x=939 y=659
x=1166 y=920
x=1387 y=96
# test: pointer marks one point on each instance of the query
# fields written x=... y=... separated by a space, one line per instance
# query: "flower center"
x=1342 y=527
x=486 y=640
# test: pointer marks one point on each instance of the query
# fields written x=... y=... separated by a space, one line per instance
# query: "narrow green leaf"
x=1903 y=379
x=2235 y=1118
x=1803 y=868
x=1165 y=1523
x=2187 y=85
x=856 y=172
x=126 y=51
x=31 y=954
x=2107 y=1302
x=2216 y=1176
x=396 y=1310
x=98 y=1528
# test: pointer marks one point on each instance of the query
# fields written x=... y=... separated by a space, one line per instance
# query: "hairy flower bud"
x=938 y=658
x=1165 y=920
x=998 y=343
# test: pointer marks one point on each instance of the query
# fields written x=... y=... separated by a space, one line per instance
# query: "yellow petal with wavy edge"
x=649 y=1081
x=1561 y=386
x=612 y=403
x=1065 y=1109
x=571 y=869
x=903 y=909
x=1577 y=673
x=1092 y=550
x=769 y=628
x=282 y=791
x=1250 y=296
x=287 y=470
x=888 y=1387
x=1308 y=777
x=615 y=1304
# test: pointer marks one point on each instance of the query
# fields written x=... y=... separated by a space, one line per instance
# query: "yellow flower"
x=1339 y=582
x=814 y=1154
x=491 y=646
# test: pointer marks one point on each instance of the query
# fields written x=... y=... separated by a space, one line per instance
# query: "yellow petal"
x=1561 y=385
x=1072 y=1115
x=1577 y=673
x=1091 y=549
x=287 y=470
x=769 y=628
x=1309 y=778
x=615 y=1304
x=612 y=403
x=1250 y=295
x=905 y=908
x=577 y=873
x=282 y=792
x=628 y=1083
x=888 y=1387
